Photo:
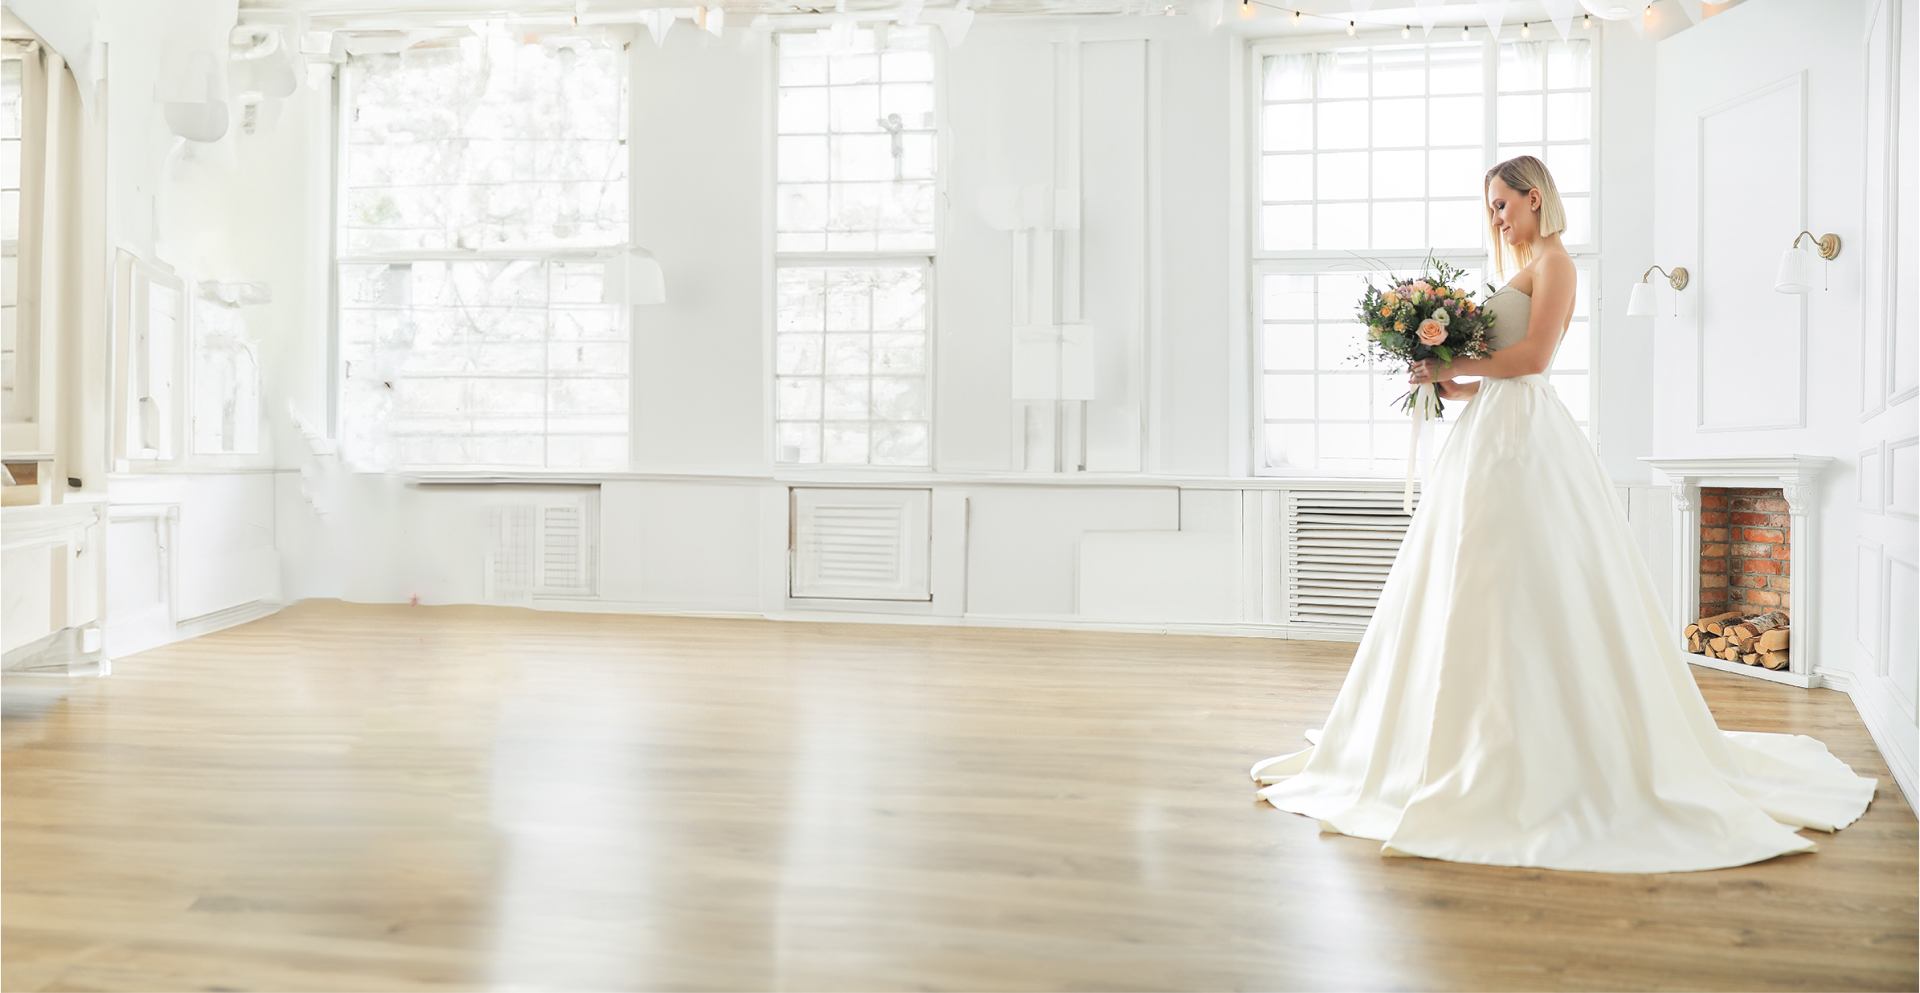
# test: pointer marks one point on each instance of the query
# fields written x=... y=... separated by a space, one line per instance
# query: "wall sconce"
x=1793 y=262
x=1641 y=303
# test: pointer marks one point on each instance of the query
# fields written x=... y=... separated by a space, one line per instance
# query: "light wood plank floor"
x=352 y=797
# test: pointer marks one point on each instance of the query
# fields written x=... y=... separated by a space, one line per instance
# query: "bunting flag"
x=1494 y=11
x=1694 y=9
x=1560 y=12
x=658 y=22
x=1638 y=21
x=1362 y=6
x=1427 y=9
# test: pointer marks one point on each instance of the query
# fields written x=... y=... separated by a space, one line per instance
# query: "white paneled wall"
x=1774 y=117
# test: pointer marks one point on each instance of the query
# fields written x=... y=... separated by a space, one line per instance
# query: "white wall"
x=215 y=211
x=1732 y=327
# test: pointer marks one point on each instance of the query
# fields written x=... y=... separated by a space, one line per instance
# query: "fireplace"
x=1744 y=549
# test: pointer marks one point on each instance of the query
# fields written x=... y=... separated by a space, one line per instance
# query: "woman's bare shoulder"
x=1555 y=265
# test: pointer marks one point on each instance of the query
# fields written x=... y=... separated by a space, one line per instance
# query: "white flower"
x=1441 y=316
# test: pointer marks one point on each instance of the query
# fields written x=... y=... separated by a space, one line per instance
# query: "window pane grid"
x=513 y=146
x=1544 y=108
x=851 y=362
x=856 y=145
x=11 y=407
x=459 y=362
x=856 y=149
x=1349 y=160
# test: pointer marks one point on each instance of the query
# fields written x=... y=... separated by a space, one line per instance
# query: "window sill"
x=880 y=479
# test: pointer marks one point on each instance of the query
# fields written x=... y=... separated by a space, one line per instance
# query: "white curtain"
x=62 y=272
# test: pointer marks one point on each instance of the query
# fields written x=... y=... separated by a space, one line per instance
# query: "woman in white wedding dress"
x=1517 y=698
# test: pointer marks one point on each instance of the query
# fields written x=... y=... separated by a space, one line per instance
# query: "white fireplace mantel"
x=1798 y=477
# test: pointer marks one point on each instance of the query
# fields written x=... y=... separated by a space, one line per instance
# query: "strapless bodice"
x=1511 y=309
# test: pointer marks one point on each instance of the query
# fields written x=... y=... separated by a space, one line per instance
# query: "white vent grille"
x=542 y=547
x=563 y=551
x=1340 y=546
x=509 y=566
x=861 y=544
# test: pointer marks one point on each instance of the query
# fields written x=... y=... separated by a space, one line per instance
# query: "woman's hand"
x=1428 y=371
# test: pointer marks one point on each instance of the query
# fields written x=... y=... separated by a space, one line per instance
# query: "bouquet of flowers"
x=1425 y=318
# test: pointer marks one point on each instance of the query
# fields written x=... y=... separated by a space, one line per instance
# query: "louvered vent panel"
x=1340 y=546
x=563 y=565
x=861 y=544
x=858 y=544
x=542 y=547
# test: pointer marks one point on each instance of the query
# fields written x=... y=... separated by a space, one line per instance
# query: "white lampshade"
x=1641 y=303
x=1793 y=272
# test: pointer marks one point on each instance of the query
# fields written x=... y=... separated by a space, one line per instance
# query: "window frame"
x=1262 y=262
x=777 y=260
x=338 y=255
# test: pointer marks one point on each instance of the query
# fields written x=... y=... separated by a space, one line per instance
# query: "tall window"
x=1368 y=159
x=11 y=354
x=855 y=235
x=483 y=214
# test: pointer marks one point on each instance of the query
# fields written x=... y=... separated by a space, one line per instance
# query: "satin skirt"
x=1517 y=698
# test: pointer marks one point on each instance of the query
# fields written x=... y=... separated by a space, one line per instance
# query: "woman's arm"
x=1553 y=286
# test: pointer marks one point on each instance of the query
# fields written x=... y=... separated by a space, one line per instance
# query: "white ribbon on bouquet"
x=1426 y=405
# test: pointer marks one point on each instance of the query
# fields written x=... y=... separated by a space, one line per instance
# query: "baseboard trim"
x=1298 y=632
x=1884 y=727
x=220 y=620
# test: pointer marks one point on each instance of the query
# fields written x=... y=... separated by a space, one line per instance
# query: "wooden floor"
x=350 y=797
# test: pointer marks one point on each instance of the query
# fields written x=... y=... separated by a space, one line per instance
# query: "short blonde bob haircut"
x=1523 y=174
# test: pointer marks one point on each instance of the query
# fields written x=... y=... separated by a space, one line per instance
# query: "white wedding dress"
x=1517 y=698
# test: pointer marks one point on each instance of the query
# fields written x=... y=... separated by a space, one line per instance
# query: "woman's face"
x=1517 y=215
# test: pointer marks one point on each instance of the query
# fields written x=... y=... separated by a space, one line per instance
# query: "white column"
x=1685 y=607
x=1801 y=497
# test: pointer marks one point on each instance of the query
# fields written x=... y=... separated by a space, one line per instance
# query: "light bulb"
x=1296 y=18
x=1586 y=23
x=1352 y=31
x=1465 y=32
x=1526 y=30
x=1407 y=31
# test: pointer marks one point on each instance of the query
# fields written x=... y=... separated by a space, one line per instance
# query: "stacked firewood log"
x=1759 y=639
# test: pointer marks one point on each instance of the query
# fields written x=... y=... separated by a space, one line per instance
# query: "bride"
x=1470 y=727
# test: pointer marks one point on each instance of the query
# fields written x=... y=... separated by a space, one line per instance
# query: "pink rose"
x=1431 y=332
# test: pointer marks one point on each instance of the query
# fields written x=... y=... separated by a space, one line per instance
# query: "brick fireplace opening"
x=1746 y=549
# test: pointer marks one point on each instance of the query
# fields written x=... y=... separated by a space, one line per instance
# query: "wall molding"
x=1798 y=83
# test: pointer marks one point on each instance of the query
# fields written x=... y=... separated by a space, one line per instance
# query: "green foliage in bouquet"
x=1424 y=318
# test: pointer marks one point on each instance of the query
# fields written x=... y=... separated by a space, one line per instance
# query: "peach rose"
x=1432 y=332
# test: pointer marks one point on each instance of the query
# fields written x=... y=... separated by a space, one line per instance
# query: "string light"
x=1407 y=31
x=1296 y=18
x=1586 y=23
x=1352 y=31
x=1466 y=32
x=1526 y=30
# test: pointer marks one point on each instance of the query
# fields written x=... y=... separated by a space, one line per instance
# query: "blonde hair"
x=1523 y=174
